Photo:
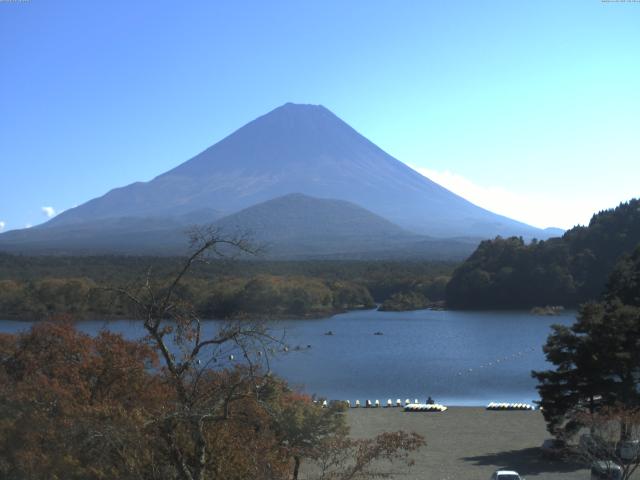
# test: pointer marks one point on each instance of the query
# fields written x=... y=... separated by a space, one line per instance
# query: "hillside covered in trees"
x=34 y=288
x=508 y=273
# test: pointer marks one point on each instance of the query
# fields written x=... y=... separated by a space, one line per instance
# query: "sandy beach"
x=468 y=443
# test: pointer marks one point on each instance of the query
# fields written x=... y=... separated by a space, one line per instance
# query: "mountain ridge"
x=307 y=149
x=293 y=149
x=294 y=226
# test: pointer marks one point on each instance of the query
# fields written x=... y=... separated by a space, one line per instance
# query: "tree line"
x=570 y=270
x=40 y=287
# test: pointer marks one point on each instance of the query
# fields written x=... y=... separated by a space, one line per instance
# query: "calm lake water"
x=459 y=358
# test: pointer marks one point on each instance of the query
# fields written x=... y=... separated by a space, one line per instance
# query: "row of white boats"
x=510 y=406
x=429 y=406
x=389 y=404
x=424 y=407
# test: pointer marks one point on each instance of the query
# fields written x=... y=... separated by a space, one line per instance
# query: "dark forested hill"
x=508 y=273
x=293 y=226
x=299 y=225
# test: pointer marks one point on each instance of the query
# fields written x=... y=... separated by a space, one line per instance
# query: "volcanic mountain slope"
x=305 y=149
x=299 y=226
x=292 y=226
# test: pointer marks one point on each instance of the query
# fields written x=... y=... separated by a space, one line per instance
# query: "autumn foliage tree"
x=73 y=406
x=613 y=440
x=304 y=427
x=190 y=401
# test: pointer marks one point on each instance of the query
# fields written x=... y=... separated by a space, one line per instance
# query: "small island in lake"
x=400 y=302
x=548 y=310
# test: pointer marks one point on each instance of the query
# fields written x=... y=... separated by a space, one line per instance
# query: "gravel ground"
x=468 y=443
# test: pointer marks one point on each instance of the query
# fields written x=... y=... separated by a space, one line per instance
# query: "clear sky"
x=531 y=109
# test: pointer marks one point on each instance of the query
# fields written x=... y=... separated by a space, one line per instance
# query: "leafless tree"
x=189 y=351
x=343 y=458
x=238 y=350
x=613 y=440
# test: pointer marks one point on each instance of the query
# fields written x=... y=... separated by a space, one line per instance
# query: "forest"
x=509 y=273
x=502 y=273
x=39 y=287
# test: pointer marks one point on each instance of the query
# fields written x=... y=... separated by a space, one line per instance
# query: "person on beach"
x=430 y=401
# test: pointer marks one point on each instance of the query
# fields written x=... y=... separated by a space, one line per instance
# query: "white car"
x=606 y=470
x=506 y=475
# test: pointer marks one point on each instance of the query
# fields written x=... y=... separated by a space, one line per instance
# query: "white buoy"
x=231 y=357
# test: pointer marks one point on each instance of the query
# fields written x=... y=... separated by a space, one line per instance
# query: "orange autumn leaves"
x=66 y=398
x=74 y=406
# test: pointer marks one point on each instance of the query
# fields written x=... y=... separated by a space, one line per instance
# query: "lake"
x=458 y=358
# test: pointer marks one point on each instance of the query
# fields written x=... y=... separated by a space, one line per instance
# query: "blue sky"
x=527 y=108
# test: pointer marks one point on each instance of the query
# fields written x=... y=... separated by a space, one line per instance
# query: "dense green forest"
x=501 y=273
x=595 y=362
x=42 y=286
x=508 y=273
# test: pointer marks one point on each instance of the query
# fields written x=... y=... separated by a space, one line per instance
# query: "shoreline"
x=319 y=315
x=420 y=354
x=273 y=318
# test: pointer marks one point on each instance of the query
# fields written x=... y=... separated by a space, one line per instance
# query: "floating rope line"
x=497 y=361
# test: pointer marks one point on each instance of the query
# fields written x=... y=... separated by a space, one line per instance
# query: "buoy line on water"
x=497 y=362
